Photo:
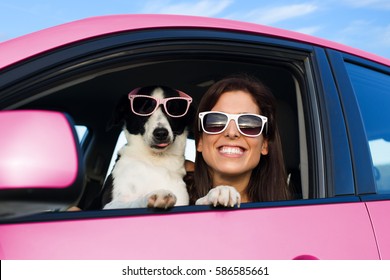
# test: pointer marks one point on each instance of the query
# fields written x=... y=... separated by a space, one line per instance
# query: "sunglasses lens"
x=214 y=122
x=250 y=125
x=177 y=106
x=144 y=105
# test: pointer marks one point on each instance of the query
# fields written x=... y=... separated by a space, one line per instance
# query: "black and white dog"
x=149 y=169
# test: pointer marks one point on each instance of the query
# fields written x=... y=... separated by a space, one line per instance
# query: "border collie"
x=149 y=169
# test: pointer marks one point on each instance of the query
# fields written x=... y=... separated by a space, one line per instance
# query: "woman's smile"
x=231 y=151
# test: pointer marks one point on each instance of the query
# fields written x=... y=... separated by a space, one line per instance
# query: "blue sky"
x=364 y=24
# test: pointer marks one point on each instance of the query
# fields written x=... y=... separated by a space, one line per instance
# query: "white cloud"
x=380 y=4
x=386 y=35
x=273 y=15
x=207 y=8
x=310 y=30
x=356 y=26
x=365 y=35
x=379 y=34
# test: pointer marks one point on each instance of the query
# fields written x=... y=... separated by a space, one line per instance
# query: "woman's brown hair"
x=268 y=180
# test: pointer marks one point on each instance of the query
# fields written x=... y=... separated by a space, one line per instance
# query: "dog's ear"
x=121 y=111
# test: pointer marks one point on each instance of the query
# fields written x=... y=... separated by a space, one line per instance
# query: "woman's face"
x=231 y=155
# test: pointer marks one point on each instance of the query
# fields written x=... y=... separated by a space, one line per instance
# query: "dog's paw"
x=221 y=195
x=161 y=199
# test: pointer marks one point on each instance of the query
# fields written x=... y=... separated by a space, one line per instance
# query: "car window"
x=372 y=91
x=283 y=74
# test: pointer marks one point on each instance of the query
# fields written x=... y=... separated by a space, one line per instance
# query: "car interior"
x=90 y=94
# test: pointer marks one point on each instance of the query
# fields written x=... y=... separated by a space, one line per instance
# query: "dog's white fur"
x=147 y=177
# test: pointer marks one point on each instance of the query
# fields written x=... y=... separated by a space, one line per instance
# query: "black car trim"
x=120 y=42
x=375 y=197
x=123 y=213
x=361 y=157
x=337 y=154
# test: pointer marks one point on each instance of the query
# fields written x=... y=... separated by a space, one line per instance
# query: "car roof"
x=57 y=36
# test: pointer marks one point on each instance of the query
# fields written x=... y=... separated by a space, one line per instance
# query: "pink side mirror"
x=40 y=164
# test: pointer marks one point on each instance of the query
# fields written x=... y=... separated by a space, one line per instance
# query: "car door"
x=284 y=232
x=368 y=84
x=327 y=220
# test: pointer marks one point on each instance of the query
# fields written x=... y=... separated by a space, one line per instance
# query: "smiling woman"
x=237 y=159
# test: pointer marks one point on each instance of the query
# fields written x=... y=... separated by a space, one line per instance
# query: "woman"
x=239 y=155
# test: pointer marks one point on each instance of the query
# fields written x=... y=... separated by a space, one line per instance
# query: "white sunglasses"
x=251 y=125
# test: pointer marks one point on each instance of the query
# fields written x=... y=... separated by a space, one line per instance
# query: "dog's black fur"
x=135 y=124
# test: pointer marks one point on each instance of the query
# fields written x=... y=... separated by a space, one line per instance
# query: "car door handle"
x=305 y=257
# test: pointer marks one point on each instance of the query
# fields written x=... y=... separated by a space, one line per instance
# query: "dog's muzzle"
x=161 y=138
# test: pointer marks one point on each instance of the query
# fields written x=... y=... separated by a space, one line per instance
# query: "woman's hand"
x=221 y=195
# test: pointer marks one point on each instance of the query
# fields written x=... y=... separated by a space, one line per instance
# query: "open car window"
x=88 y=89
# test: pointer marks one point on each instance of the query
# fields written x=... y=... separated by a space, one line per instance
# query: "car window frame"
x=317 y=79
x=361 y=154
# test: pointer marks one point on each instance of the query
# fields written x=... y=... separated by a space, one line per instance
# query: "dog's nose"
x=160 y=133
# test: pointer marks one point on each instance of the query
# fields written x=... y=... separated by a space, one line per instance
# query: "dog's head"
x=156 y=113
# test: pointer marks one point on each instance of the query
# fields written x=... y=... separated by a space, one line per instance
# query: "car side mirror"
x=41 y=166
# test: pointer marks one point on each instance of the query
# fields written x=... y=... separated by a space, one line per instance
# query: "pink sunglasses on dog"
x=145 y=105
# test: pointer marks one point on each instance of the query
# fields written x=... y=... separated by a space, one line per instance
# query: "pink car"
x=334 y=119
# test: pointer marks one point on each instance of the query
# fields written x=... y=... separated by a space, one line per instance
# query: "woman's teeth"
x=231 y=150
